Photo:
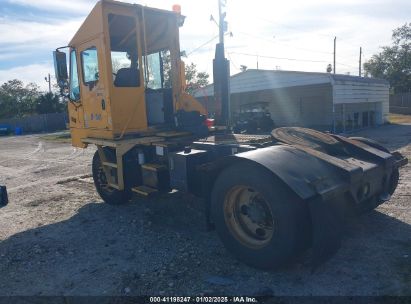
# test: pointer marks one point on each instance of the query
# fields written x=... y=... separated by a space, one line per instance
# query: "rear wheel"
x=258 y=219
x=107 y=193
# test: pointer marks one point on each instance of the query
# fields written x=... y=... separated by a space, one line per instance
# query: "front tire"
x=258 y=219
x=108 y=194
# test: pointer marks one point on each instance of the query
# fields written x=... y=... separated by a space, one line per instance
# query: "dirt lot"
x=58 y=238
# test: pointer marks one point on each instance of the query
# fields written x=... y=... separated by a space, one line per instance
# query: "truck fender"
x=303 y=173
x=314 y=181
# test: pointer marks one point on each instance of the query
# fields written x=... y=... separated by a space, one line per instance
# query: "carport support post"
x=343 y=116
x=359 y=66
x=335 y=47
x=333 y=101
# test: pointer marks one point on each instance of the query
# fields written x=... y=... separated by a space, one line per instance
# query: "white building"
x=317 y=100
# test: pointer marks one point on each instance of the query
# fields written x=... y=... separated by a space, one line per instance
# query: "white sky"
x=293 y=29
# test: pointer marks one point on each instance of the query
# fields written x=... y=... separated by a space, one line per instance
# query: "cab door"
x=93 y=91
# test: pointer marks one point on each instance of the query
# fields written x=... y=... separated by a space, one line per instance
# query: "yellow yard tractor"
x=268 y=196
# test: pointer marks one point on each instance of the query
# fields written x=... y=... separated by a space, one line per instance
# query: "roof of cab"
x=93 y=24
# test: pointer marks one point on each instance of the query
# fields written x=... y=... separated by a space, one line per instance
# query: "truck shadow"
x=102 y=249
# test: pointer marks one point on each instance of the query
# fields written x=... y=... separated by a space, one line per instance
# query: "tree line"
x=393 y=63
x=18 y=100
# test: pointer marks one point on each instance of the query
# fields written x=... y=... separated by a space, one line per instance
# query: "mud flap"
x=4 y=200
x=327 y=228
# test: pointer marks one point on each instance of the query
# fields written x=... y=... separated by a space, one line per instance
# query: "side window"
x=74 y=83
x=154 y=67
x=124 y=53
x=158 y=71
x=89 y=62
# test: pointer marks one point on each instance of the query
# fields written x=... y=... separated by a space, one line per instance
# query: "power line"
x=233 y=63
x=344 y=41
x=351 y=68
x=280 y=58
x=295 y=59
x=288 y=26
x=298 y=29
x=280 y=42
x=347 y=65
x=266 y=56
x=203 y=45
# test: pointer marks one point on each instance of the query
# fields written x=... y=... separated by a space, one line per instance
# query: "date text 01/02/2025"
x=203 y=299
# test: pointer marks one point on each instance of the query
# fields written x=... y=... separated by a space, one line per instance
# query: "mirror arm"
x=63 y=47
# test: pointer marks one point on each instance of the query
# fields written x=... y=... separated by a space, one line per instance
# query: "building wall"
x=357 y=105
x=352 y=116
x=374 y=94
x=305 y=106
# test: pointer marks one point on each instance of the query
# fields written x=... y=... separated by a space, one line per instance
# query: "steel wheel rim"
x=249 y=217
x=102 y=180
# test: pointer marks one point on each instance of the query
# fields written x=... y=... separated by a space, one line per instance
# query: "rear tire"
x=108 y=194
x=267 y=231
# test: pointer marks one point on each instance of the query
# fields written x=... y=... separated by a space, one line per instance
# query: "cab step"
x=109 y=164
x=144 y=190
x=154 y=167
x=155 y=176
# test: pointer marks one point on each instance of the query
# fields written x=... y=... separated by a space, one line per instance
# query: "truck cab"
x=125 y=75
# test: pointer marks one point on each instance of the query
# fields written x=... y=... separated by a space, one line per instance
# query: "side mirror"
x=60 y=68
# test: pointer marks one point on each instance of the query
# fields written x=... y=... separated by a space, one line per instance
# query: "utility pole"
x=221 y=16
x=335 y=49
x=359 y=66
x=221 y=72
x=47 y=79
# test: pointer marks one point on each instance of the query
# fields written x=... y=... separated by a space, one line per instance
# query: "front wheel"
x=259 y=220
x=108 y=194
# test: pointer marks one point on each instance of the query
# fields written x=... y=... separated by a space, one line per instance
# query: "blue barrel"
x=18 y=131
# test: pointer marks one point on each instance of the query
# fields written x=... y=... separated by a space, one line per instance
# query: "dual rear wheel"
x=259 y=220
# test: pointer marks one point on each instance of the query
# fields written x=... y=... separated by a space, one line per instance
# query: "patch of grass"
x=63 y=137
x=399 y=118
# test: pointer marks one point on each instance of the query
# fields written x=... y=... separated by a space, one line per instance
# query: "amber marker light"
x=177 y=8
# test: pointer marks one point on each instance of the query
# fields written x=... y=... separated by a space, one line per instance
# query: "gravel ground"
x=58 y=238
